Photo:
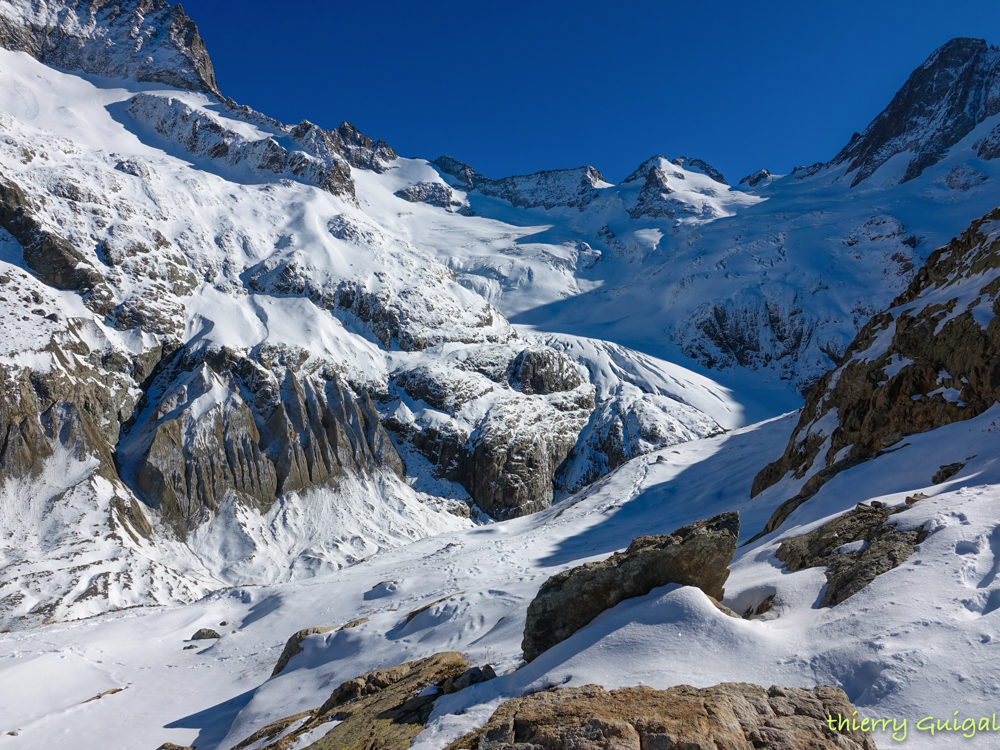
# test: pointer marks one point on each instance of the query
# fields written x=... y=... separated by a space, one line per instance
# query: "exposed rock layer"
x=884 y=548
x=381 y=710
x=930 y=360
x=149 y=40
x=732 y=715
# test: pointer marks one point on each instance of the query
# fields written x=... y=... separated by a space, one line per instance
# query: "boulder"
x=732 y=715
x=694 y=555
x=205 y=634
x=543 y=370
x=380 y=710
x=471 y=676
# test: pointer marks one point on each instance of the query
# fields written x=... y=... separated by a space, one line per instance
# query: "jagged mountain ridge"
x=758 y=277
x=234 y=347
x=149 y=40
x=944 y=99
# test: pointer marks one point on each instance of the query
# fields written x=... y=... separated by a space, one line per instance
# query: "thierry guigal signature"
x=898 y=728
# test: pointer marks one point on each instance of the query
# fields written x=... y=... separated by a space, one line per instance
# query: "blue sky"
x=515 y=87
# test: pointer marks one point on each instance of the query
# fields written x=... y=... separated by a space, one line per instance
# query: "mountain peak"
x=952 y=91
x=149 y=40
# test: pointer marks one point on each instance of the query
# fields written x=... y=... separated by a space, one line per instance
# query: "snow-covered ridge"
x=235 y=333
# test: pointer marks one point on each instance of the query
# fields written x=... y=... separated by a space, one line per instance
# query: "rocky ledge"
x=732 y=715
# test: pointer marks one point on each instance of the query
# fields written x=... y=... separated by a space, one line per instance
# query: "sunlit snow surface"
x=917 y=641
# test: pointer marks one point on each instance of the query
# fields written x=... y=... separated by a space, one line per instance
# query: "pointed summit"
x=954 y=90
x=149 y=40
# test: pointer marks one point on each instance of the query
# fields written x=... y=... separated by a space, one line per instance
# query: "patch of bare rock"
x=732 y=715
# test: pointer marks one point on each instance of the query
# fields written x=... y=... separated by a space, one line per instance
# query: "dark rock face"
x=753 y=329
x=695 y=555
x=504 y=446
x=732 y=715
x=989 y=147
x=509 y=464
x=548 y=189
x=543 y=370
x=269 y=431
x=955 y=89
x=654 y=198
x=753 y=180
x=932 y=359
x=432 y=193
x=56 y=261
x=381 y=710
x=462 y=172
x=697 y=165
x=149 y=40
x=360 y=150
x=848 y=572
x=200 y=134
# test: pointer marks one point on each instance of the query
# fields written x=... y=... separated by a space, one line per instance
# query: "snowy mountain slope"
x=775 y=277
x=266 y=375
x=238 y=324
x=925 y=362
x=897 y=648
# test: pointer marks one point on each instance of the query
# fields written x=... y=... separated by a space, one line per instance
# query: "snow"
x=911 y=644
x=644 y=292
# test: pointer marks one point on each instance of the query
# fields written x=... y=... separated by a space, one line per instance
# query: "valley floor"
x=917 y=642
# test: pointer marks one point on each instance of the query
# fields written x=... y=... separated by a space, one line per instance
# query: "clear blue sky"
x=513 y=87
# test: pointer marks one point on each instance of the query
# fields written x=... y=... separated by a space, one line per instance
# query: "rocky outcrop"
x=855 y=549
x=381 y=710
x=51 y=257
x=542 y=370
x=629 y=425
x=148 y=40
x=198 y=456
x=931 y=359
x=205 y=634
x=225 y=425
x=574 y=188
x=943 y=100
x=360 y=151
x=504 y=445
x=694 y=555
x=518 y=449
x=698 y=165
x=432 y=193
x=665 y=191
x=732 y=715
x=753 y=180
x=202 y=134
